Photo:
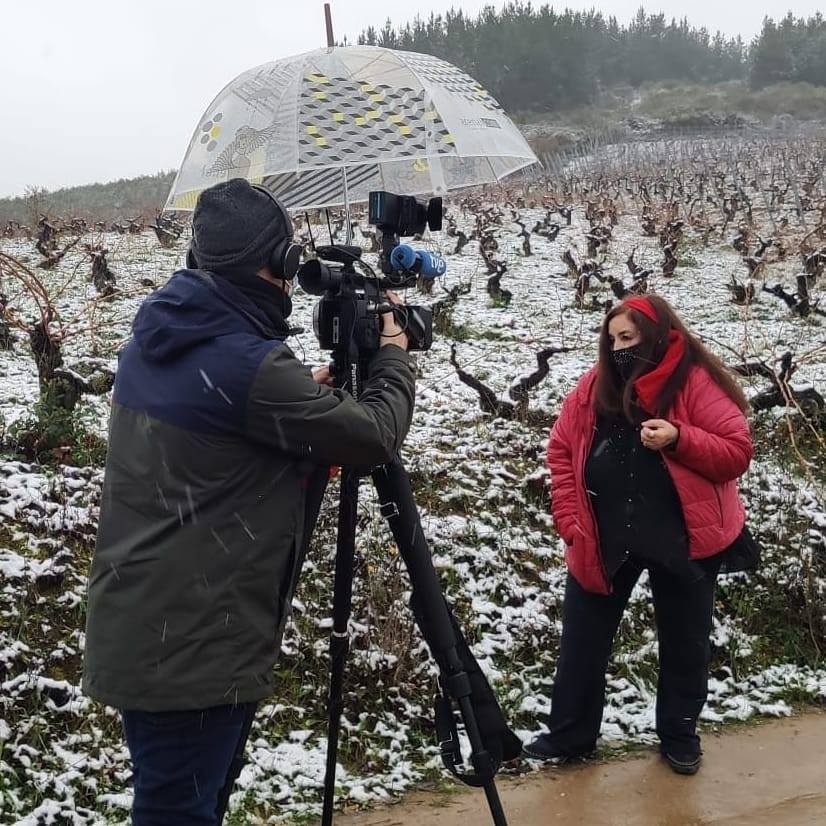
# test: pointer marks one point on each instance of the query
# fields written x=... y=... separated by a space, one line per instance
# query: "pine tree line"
x=793 y=50
x=539 y=59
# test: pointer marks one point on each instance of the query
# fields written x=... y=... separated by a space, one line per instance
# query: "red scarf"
x=650 y=385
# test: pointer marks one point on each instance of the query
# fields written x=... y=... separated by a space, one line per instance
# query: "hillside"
x=125 y=198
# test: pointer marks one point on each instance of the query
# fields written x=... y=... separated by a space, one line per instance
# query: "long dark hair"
x=614 y=396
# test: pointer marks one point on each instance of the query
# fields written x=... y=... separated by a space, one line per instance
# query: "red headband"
x=642 y=305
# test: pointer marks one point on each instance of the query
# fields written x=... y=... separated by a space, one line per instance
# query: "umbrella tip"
x=328 y=22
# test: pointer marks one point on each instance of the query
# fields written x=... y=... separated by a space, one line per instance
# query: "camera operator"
x=220 y=442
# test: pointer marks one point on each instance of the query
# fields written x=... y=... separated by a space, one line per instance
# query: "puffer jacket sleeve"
x=715 y=440
x=561 y=466
x=289 y=411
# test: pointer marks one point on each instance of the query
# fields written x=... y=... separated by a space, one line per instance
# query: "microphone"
x=421 y=262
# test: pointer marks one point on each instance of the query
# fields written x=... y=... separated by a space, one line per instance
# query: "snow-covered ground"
x=478 y=482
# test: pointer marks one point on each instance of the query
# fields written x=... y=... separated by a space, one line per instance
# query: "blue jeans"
x=185 y=762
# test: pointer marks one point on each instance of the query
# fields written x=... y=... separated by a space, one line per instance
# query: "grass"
x=787 y=619
x=778 y=620
x=448 y=329
x=501 y=300
x=52 y=435
x=795 y=438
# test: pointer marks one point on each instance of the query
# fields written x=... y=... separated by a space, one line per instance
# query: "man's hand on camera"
x=391 y=332
x=323 y=375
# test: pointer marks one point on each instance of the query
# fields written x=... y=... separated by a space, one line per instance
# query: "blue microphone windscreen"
x=403 y=257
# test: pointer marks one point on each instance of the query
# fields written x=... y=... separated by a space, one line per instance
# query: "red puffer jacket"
x=713 y=450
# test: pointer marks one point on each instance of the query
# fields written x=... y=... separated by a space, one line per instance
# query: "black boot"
x=542 y=748
x=687 y=763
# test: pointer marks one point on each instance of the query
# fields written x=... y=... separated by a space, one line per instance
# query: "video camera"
x=349 y=313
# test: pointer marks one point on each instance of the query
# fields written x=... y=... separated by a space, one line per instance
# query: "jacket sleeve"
x=289 y=411
x=561 y=466
x=715 y=440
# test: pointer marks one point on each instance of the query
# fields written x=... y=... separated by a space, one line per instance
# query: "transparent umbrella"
x=325 y=127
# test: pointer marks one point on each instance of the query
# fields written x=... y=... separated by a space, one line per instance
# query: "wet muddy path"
x=769 y=773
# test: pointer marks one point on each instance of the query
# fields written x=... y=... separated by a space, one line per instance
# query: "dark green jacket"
x=219 y=446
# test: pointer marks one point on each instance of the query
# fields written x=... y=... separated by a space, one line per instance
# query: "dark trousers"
x=185 y=762
x=683 y=612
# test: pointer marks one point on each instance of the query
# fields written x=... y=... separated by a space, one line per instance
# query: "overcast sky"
x=94 y=90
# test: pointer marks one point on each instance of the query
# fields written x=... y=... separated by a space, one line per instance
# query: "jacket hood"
x=192 y=307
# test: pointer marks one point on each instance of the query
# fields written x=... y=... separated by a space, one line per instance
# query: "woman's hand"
x=657 y=434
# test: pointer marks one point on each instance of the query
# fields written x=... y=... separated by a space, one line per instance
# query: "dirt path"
x=773 y=773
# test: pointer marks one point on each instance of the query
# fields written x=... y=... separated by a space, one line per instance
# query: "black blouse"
x=637 y=509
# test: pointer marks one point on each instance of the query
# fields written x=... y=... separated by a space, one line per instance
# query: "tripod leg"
x=340 y=641
x=399 y=508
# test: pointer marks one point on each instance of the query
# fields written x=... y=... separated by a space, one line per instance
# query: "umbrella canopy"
x=354 y=117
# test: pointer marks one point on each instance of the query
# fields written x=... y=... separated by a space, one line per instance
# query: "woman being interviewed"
x=644 y=461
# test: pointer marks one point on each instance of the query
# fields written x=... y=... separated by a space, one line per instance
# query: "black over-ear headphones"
x=285 y=258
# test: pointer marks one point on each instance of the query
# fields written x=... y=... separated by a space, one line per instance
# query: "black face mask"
x=269 y=298
x=625 y=361
x=273 y=300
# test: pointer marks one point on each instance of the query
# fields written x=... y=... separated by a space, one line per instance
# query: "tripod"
x=446 y=644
